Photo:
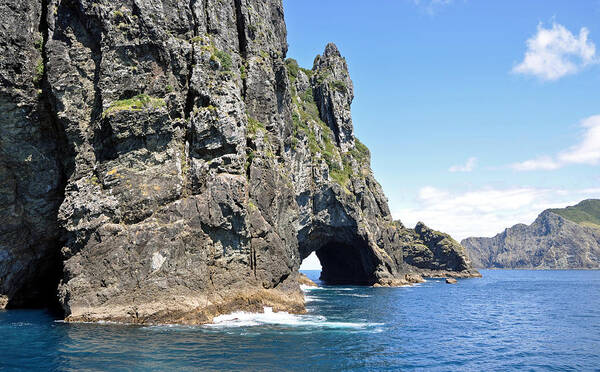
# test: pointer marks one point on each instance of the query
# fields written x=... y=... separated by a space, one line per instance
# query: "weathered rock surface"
x=168 y=160
x=550 y=242
x=434 y=254
x=305 y=280
x=31 y=178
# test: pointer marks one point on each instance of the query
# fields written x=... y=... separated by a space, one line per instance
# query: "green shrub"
x=308 y=72
x=360 y=152
x=225 y=60
x=308 y=96
x=39 y=43
x=39 y=72
x=323 y=75
x=137 y=103
x=254 y=126
x=342 y=176
x=292 y=68
x=338 y=85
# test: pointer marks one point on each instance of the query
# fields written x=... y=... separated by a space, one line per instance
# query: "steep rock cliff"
x=550 y=242
x=31 y=178
x=169 y=160
x=435 y=254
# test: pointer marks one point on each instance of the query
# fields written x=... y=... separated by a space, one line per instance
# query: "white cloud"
x=431 y=6
x=468 y=167
x=587 y=151
x=555 y=52
x=487 y=211
x=541 y=163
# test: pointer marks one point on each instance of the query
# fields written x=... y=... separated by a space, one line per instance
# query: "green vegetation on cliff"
x=307 y=122
x=293 y=68
x=586 y=213
x=39 y=72
x=254 y=126
x=137 y=103
x=225 y=59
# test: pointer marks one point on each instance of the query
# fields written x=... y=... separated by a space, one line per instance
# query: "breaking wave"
x=269 y=317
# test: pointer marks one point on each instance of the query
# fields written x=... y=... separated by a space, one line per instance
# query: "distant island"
x=567 y=238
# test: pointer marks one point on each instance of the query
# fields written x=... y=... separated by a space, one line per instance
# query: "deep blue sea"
x=508 y=320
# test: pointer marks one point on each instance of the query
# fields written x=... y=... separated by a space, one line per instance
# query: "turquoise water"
x=508 y=320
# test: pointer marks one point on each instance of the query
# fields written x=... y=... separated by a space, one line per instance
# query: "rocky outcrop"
x=171 y=165
x=550 y=242
x=306 y=281
x=434 y=254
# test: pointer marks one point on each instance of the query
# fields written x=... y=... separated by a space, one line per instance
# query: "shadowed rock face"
x=432 y=253
x=550 y=242
x=170 y=164
x=31 y=178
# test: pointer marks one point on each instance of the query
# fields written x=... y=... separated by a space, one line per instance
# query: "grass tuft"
x=137 y=103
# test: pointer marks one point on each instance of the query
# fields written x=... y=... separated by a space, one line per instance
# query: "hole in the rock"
x=311 y=267
x=340 y=264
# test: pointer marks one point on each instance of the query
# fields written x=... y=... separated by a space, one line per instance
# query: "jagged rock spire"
x=334 y=93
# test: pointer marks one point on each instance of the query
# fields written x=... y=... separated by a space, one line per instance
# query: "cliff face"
x=31 y=178
x=550 y=242
x=435 y=254
x=168 y=162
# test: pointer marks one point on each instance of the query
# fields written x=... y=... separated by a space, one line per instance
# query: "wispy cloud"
x=469 y=166
x=487 y=211
x=432 y=6
x=587 y=151
x=555 y=52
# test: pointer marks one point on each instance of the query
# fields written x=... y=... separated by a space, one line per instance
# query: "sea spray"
x=269 y=317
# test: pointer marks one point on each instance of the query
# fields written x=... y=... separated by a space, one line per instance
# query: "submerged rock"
x=451 y=281
x=305 y=280
x=166 y=164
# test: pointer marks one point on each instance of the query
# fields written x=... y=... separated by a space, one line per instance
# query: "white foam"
x=269 y=317
x=309 y=298
x=307 y=288
x=359 y=295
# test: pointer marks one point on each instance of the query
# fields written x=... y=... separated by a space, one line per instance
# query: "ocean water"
x=508 y=320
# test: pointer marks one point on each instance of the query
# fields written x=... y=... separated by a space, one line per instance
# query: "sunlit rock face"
x=558 y=239
x=162 y=162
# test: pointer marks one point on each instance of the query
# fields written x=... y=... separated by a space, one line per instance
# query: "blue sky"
x=513 y=85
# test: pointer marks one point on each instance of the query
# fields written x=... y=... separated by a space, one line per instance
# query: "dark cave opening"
x=343 y=263
x=40 y=292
